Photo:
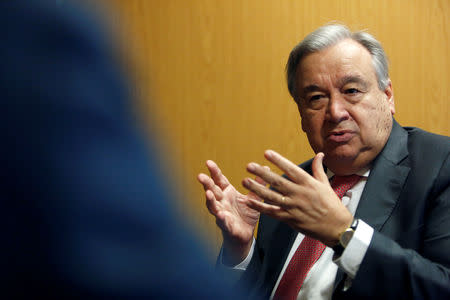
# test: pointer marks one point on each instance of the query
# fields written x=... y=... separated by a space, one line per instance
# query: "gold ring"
x=283 y=198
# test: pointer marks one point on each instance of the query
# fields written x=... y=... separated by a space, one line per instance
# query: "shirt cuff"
x=354 y=253
x=243 y=264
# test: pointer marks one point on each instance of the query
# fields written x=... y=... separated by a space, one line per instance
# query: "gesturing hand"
x=307 y=203
x=233 y=215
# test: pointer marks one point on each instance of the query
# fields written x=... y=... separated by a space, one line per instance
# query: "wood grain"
x=209 y=76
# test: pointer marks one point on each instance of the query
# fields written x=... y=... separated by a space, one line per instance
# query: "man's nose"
x=337 y=108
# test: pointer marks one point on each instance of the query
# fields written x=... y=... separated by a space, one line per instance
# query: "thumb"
x=317 y=168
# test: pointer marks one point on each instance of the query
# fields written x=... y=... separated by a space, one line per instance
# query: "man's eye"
x=315 y=97
x=351 y=91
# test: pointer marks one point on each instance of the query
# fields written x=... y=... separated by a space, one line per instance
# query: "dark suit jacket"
x=85 y=208
x=407 y=201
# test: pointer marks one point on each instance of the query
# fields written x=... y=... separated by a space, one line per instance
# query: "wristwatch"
x=344 y=238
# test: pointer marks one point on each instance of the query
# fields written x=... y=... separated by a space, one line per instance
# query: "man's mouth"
x=341 y=136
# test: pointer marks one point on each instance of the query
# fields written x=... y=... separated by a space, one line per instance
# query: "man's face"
x=343 y=111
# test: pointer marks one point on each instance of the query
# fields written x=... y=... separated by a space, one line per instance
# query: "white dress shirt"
x=319 y=281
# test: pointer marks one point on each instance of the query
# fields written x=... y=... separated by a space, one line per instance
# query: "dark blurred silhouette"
x=85 y=212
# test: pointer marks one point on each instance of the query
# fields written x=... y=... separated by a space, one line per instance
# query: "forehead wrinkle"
x=353 y=79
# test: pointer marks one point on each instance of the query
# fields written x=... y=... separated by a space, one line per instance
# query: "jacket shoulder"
x=425 y=147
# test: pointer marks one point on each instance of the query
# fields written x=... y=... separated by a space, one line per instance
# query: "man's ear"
x=389 y=92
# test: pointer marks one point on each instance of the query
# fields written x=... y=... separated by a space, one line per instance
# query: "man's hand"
x=307 y=203
x=233 y=215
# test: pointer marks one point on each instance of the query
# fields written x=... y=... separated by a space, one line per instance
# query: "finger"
x=203 y=179
x=268 y=195
x=216 y=174
x=276 y=181
x=267 y=209
x=211 y=203
x=259 y=179
x=294 y=172
x=208 y=184
x=317 y=168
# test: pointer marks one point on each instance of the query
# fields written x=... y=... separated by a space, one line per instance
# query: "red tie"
x=309 y=250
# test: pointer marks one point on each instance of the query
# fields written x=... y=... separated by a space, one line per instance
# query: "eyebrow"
x=311 y=88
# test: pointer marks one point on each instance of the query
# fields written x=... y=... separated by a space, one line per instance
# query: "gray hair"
x=327 y=36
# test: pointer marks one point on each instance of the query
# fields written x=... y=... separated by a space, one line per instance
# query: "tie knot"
x=341 y=184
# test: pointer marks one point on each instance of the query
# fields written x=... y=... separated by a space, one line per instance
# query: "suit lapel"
x=386 y=181
x=384 y=184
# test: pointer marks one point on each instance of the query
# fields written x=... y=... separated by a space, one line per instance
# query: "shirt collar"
x=364 y=172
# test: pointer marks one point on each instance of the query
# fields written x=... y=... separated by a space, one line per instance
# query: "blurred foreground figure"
x=85 y=213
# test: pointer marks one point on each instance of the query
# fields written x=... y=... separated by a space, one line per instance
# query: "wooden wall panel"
x=211 y=76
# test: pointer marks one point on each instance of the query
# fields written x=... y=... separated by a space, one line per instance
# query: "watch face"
x=346 y=237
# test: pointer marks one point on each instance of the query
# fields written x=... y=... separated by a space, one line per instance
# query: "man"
x=85 y=210
x=389 y=237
